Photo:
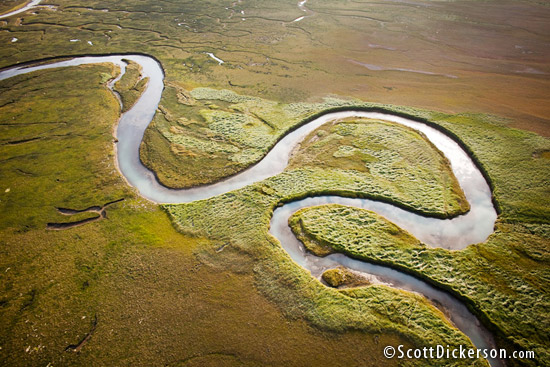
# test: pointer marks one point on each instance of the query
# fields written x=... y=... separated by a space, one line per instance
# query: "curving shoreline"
x=31 y=4
x=478 y=222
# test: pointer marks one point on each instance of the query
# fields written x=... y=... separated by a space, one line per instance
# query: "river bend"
x=456 y=233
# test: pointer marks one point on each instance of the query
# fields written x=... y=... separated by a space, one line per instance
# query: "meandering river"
x=456 y=233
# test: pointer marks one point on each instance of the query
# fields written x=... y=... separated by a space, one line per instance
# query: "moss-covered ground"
x=342 y=277
x=229 y=233
x=222 y=291
x=504 y=279
x=316 y=227
x=155 y=296
x=7 y=6
x=455 y=56
x=373 y=310
x=386 y=153
x=131 y=85
x=210 y=134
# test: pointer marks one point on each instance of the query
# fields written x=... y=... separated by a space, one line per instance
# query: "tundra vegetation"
x=223 y=132
x=7 y=6
x=342 y=277
x=101 y=279
x=503 y=280
x=130 y=289
x=131 y=85
x=500 y=278
x=381 y=232
x=386 y=52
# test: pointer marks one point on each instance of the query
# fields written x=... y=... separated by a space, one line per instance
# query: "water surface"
x=456 y=233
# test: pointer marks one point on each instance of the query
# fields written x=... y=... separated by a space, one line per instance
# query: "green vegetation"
x=223 y=132
x=501 y=278
x=39 y=136
x=341 y=276
x=159 y=297
x=7 y=6
x=385 y=153
x=261 y=59
x=131 y=85
x=519 y=179
x=224 y=292
x=375 y=309
x=321 y=228
x=250 y=208
x=496 y=277
x=211 y=134
x=250 y=254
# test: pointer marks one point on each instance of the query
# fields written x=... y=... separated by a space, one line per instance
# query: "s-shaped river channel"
x=456 y=233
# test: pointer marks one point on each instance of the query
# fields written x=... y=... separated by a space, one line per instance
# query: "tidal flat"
x=204 y=283
x=496 y=50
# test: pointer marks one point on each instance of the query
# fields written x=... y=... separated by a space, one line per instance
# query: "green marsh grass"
x=131 y=85
x=342 y=277
x=503 y=280
x=146 y=282
x=159 y=296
